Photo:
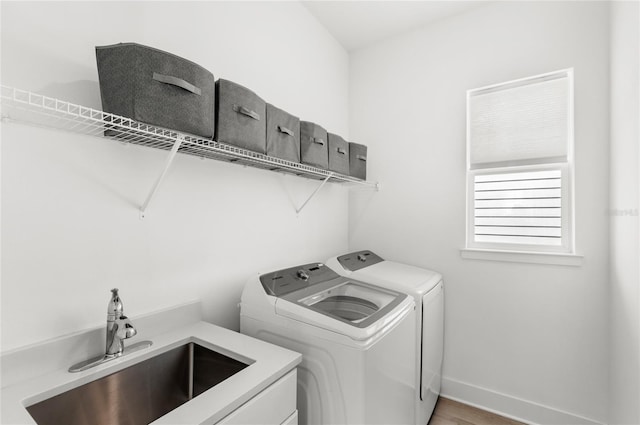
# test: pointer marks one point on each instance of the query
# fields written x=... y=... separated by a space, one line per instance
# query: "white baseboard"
x=511 y=407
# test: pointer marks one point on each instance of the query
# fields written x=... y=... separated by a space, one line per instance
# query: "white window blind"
x=519 y=122
x=519 y=208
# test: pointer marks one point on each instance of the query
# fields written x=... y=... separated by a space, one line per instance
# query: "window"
x=519 y=165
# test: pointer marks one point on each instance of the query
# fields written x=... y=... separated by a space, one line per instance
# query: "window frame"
x=566 y=167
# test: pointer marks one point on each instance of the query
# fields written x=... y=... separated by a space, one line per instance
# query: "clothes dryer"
x=352 y=335
x=426 y=287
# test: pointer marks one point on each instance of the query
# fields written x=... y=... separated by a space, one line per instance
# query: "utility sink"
x=141 y=393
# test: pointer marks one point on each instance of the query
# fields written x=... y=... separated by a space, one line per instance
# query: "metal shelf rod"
x=313 y=194
x=172 y=154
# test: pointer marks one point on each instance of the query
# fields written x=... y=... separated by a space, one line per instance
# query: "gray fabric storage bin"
x=314 y=148
x=283 y=134
x=241 y=117
x=358 y=160
x=338 y=154
x=156 y=88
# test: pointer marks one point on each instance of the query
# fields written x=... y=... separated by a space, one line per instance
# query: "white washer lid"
x=401 y=277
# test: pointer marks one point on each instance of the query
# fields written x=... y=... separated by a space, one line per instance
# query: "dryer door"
x=432 y=342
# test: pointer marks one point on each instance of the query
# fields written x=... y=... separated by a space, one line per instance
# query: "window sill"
x=555 y=258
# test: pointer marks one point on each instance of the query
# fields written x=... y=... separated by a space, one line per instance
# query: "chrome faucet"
x=119 y=327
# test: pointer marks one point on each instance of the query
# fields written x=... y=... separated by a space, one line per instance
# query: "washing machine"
x=353 y=337
x=426 y=287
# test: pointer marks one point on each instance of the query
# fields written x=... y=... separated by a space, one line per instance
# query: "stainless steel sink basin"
x=140 y=393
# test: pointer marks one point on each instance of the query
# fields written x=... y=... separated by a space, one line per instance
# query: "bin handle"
x=361 y=157
x=285 y=130
x=178 y=82
x=246 y=111
x=317 y=140
x=341 y=151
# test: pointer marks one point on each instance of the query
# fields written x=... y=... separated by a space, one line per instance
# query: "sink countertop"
x=267 y=363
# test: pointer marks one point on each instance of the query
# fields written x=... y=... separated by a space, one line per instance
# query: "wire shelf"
x=43 y=111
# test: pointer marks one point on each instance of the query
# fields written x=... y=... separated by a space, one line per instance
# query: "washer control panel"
x=358 y=260
x=282 y=282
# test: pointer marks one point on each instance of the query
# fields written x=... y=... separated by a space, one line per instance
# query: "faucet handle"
x=125 y=328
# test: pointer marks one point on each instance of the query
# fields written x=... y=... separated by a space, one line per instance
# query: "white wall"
x=624 y=394
x=527 y=340
x=70 y=225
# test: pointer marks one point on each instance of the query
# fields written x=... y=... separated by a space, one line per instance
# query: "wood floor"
x=449 y=412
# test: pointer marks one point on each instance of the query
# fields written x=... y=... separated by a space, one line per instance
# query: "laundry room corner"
x=531 y=331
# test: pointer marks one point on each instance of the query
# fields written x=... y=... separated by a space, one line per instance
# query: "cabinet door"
x=273 y=406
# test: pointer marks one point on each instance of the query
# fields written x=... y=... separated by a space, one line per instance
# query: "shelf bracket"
x=314 y=193
x=167 y=165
